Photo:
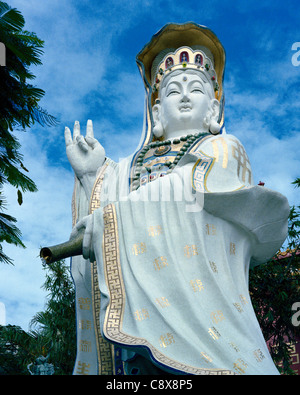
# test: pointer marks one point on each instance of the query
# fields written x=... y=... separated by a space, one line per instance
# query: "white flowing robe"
x=170 y=280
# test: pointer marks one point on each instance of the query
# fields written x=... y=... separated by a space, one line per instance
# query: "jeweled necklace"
x=161 y=148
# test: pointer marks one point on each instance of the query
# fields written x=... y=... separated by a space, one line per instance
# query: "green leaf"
x=20 y=197
x=10 y=18
x=23 y=167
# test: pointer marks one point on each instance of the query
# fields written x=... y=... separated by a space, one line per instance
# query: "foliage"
x=17 y=349
x=52 y=332
x=57 y=323
x=274 y=288
x=8 y=230
x=294 y=223
x=19 y=109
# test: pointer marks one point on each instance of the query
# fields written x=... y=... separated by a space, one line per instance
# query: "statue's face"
x=184 y=103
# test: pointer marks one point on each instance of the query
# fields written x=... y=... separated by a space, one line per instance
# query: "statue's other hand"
x=85 y=154
x=85 y=225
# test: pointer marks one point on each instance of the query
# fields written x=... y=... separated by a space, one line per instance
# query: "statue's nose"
x=185 y=96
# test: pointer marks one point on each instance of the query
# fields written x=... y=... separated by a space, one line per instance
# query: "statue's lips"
x=185 y=108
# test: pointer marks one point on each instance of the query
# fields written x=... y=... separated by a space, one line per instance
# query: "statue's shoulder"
x=224 y=144
x=227 y=138
x=226 y=159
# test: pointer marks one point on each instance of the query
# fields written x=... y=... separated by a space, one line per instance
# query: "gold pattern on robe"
x=85 y=324
x=243 y=164
x=213 y=266
x=141 y=314
x=238 y=307
x=258 y=355
x=160 y=263
x=210 y=229
x=190 y=250
x=155 y=230
x=217 y=316
x=205 y=357
x=84 y=303
x=240 y=366
x=234 y=346
x=232 y=249
x=214 y=333
x=166 y=340
x=138 y=248
x=196 y=285
x=162 y=302
x=83 y=368
x=85 y=346
x=216 y=151
x=243 y=299
x=201 y=171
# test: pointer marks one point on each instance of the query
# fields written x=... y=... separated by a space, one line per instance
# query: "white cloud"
x=20 y=285
x=44 y=219
x=262 y=119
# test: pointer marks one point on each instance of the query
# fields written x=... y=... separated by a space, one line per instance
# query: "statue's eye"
x=197 y=90
x=173 y=92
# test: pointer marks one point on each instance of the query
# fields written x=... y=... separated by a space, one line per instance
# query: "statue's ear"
x=157 y=127
x=215 y=108
x=156 y=113
x=214 y=126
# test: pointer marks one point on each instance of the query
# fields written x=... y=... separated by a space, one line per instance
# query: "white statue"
x=171 y=231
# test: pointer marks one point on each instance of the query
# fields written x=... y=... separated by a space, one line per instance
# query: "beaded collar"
x=159 y=158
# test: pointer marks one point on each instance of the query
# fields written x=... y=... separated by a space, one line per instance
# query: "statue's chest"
x=159 y=159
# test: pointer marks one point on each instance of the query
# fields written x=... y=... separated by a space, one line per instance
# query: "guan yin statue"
x=169 y=234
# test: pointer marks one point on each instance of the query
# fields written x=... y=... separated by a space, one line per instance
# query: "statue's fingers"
x=89 y=129
x=78 y=227
x=74 y=232
x=76 y=131
x=82 y=143
x=92 y=142
x=68 y=136
x=87 y=239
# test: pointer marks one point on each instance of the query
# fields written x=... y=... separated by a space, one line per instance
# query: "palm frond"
x=10 y=18
x=41 y=116
x=4 y=258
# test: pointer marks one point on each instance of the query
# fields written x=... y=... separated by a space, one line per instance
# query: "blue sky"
x=89 y=72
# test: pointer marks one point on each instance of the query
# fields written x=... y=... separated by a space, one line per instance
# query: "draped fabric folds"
x=170 y=283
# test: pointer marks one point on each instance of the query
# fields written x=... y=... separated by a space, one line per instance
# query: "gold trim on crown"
x=185 y=58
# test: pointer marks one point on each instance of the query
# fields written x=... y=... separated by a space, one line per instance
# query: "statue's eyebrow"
x=173 y=83
x=194 y=82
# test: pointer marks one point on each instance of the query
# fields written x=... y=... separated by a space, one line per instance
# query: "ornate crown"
x=185 y=58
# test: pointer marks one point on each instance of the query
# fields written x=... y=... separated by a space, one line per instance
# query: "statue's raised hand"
x=85 y=154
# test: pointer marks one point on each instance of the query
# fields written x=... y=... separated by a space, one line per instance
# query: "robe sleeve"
x=260 y=211
x=223 y=174
x=221 y=165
